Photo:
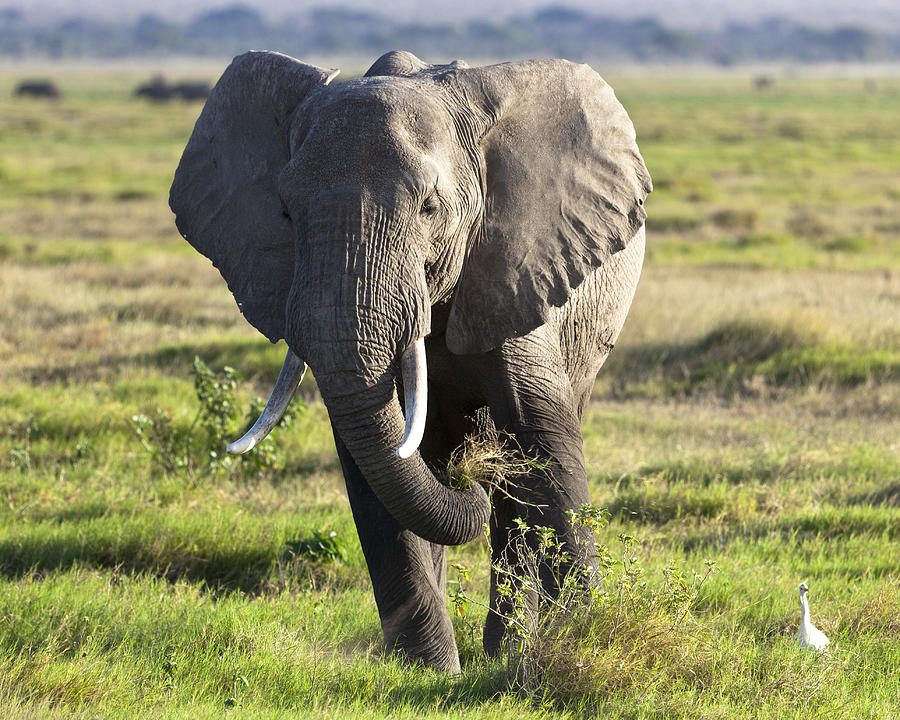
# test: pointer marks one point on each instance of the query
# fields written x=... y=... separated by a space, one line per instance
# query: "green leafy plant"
x=169 y=668
x=198 y=449
x=314 y=563
x=167 y=447
x=237 y=681
x=604 y=629
x=320 y=546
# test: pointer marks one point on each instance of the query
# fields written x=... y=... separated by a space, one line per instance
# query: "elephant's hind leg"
x=408 y=577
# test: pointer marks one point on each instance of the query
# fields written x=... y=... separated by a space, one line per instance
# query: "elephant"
x=38 y=88
x=159 y=89
x=439 y=243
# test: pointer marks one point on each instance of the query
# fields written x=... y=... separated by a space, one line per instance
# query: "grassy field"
x=749 y=416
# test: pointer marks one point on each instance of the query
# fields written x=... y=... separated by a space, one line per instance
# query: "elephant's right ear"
x=225 y=192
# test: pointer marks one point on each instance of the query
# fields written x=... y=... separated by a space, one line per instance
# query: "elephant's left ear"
x=564 y=188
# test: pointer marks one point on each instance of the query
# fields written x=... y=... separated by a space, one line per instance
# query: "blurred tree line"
x=552 y=31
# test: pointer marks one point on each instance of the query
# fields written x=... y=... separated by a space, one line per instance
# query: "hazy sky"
x=690 y=13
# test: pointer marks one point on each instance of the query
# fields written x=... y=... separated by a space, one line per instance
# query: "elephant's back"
x=590 y=322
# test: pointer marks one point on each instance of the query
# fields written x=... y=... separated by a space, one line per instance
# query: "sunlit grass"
x=750 y=414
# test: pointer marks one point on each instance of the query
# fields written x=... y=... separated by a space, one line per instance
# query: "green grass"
x=809 y=168
x=750 y=415
x=751 y=357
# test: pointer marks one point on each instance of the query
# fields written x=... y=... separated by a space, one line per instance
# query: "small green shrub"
x=850 y=243
x=792 y=129
x=605 y=631
x=673 y=223
x=807 y=223
x=20 y=452
x=168 y=447
x=318 y=562
x=735 y=219
x=197 y=450
x=321 y=547
x=766 y=239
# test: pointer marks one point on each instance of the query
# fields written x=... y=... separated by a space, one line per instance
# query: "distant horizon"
x=696 y=14
x=545 y=31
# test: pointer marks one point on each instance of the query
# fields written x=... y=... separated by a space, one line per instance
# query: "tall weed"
x=195 y=451
x=605 y=630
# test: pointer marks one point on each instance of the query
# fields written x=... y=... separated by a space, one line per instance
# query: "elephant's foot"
x=423 y=633
x=494 y=632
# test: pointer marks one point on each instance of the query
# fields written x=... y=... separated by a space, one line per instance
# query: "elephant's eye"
x=430 y=206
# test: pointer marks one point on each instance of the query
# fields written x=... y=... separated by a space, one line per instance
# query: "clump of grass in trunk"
x=487 y=459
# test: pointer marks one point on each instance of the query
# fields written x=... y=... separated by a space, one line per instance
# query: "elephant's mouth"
x=413 y=370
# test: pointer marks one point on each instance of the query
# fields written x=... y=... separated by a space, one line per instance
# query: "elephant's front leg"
x=531 y=399
x=408 y=577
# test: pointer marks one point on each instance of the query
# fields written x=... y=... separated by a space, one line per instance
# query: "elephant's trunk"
x=358 y=311
x=370 y=423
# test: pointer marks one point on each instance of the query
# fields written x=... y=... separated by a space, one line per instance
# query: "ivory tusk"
x=415 y=391
x=288 y=380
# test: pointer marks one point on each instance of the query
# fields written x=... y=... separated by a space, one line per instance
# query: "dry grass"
x=603 y=653
x=58 y=319
x=878 y=616
x=675 y=304
x=488 y=460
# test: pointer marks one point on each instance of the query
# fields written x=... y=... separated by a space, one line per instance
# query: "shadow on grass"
x=249 y=570
x=889 y=495
x=659 y=493
x=747 y=357
x=703 y=473
x=474 y=686
x=227 y=550
x=250 y=357
x=828 y=524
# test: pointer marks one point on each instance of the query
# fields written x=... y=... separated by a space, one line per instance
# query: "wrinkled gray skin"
x=495 y=211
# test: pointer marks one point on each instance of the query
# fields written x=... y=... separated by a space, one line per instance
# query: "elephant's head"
x=339 y=214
